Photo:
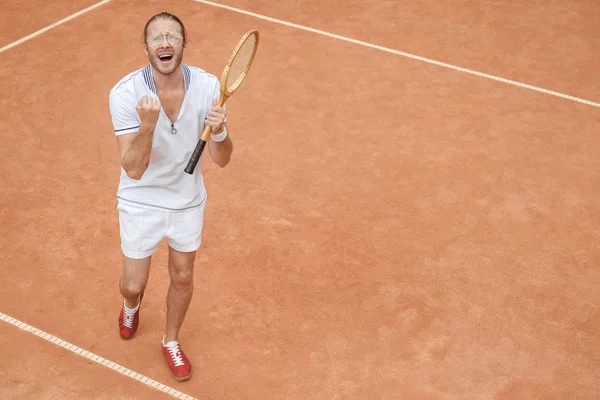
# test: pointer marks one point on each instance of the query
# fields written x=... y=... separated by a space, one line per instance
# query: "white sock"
x=130 y=310
x=169 y=344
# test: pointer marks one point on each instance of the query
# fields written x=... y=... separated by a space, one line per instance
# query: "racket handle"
x=191 y=166
x=202 y=142
x=207 y=131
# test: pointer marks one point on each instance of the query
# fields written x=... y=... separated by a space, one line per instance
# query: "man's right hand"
x=148 y=109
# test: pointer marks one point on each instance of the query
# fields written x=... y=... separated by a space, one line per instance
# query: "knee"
x=131 y=288
x=182 y=277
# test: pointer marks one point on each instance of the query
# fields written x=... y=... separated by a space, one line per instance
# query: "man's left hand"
x=216 y=118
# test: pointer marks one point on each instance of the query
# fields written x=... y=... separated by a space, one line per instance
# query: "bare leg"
x=181 y=271
x=134 y=279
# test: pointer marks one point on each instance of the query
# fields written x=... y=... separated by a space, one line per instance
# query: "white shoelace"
x=175 y=353
x=128 y=317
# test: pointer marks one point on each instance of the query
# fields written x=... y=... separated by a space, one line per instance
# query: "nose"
x=164 y=42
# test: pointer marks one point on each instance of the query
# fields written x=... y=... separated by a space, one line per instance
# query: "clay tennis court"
x=389 y=227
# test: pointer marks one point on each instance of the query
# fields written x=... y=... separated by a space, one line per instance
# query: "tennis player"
x=158 y=113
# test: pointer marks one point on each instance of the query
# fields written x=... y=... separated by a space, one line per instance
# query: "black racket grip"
x=195 y=157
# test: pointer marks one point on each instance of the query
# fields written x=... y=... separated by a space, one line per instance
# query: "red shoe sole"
x=185 y=378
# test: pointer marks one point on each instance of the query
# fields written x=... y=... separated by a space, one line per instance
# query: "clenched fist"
x=148 y=108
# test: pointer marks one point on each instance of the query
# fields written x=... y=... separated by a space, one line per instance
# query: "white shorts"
x=142 y=230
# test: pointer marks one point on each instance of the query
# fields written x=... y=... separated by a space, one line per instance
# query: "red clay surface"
x=40 y=370
x=551 y=44
x=22 y=18
x=387 y=228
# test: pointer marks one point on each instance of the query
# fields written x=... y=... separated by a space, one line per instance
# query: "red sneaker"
x=180 y=366
x=128 y=323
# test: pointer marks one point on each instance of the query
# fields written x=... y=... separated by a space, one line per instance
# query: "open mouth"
x=165 y=58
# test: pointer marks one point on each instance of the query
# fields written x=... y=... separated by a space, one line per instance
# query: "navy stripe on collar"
x=187 y=76
x=147 y=71
x=148 y=78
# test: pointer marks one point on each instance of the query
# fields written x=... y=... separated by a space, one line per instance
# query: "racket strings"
x=241 y=61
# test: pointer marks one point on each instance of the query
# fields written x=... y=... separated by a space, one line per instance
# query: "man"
x=158 y=113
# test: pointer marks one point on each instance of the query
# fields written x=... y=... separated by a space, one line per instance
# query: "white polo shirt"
x=165 y=185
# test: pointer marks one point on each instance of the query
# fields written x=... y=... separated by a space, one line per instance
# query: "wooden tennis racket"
x=233 y=75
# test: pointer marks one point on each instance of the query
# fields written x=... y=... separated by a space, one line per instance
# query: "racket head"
x=239 y=63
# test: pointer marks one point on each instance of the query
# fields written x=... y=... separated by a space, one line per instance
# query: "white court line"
x=401 y=53
x=62 y=21
x=93 y=357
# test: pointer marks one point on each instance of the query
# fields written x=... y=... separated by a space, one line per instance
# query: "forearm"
x=135 y=160
x=221 y=151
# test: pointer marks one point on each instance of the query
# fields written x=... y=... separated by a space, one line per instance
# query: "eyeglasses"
x=174 y=39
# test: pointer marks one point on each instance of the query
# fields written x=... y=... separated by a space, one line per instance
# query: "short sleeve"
x=125 y=118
